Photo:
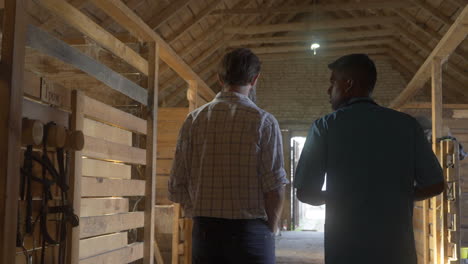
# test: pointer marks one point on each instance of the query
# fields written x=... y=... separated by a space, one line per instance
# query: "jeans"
x=236 y=241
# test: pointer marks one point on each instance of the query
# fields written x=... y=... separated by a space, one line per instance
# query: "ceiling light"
x=314 y=47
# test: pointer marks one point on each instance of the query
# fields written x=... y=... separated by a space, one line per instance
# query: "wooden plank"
x=37 y=111
x=45 y=43
x=113 y=116
x=99 y=225
x=304 y=48
x=436 y=91
x=317 y=8
x=133 y=23
x=428 y=105
x=126 y=254
x=454 y=36
x=101 y=244
x=103 y=206
x=151 y=146
x=331 y=36
x=84 y=24
x=460 y=113
x=303 y=26
x=102 y=187
x=11 y=95
x=32 y=85
x=175 y=234
x=74 y=194
x=323 y=53
x=167 y=13
x=105 y=169
x=105 y=150
x=110 y=133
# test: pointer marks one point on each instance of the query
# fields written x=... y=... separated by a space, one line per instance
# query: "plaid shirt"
x=229 y=153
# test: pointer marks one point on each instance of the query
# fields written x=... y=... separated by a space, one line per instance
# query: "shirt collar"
x=360 y=99
x=232 y=97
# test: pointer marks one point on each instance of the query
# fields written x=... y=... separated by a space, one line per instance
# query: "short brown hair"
x=239 y=67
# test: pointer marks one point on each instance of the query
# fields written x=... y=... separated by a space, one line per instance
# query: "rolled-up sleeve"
x=311 y=169
x=178 y=180
x=272 y=171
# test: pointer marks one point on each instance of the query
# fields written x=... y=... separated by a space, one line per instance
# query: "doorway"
x=305 y=217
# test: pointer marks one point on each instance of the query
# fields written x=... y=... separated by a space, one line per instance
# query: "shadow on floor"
x=299 y=247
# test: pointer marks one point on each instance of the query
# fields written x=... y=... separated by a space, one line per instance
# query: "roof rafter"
x=303 y=26
x=454 y=36
x=315 y=8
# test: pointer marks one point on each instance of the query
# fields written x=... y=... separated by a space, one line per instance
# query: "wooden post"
x=287 y=166
x=150 y=196
x=175 y=235
x=11 y=96
x=192 y=95
x=74 y=194
x=436 y=89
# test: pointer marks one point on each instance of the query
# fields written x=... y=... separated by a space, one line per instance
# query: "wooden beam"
x=303 y=26
x=101 y=244
x=454 y=36
x=74 y=193
x=107 y=114
x=194 y=21
x=99 y=225
x=117 y=9
x=104 y=187
x=106 y=150
x=324 y=53
x=451 y=68
x=428 y=105
x=316 y=8
x=433 y=11
x=436 y=95
x=344 y=35
x=151 y=155
x=11 y=96
x=103 y=206
x=84 y=24
x=45 y=43
x=127 y=254
x=167 y=13
x=325 y=46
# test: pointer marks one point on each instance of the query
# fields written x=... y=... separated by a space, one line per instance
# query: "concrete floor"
x=299 y=247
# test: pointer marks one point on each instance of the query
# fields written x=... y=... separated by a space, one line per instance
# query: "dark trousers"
x=225 y=241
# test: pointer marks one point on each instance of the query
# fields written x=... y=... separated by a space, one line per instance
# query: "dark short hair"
x=357 y=66
x=239 y=67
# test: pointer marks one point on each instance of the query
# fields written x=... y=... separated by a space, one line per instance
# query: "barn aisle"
x=299 y=247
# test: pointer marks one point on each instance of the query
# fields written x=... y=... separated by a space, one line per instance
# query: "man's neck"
x=244 y=89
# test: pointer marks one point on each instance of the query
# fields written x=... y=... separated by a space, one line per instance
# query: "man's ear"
x=254 y=80
x=220 y=80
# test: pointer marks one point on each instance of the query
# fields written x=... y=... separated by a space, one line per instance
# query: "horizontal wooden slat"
x=103 y=206
x=103 y=149
x=164 y=166
x=106 y=169
x=97 y=245
x=99 y=225
x=168 y=137
x=103 y=187
x=110 y=133
x=113 y=116
x=452 y=123
x=44 y=113
x=126 y=254
x=169 y=126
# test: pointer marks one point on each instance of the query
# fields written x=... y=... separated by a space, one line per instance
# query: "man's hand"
x=311 y=198
x=273 y=206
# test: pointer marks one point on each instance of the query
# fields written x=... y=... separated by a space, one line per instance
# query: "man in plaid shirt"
x=228 y=170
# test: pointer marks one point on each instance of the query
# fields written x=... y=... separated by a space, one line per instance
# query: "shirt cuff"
x=274 y=180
